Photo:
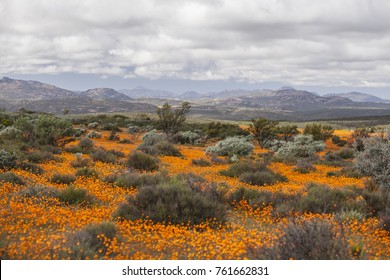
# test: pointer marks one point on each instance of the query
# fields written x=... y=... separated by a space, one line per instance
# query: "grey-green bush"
x=231 y=146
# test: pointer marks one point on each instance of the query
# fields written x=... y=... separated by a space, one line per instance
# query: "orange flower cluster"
x=38 y=228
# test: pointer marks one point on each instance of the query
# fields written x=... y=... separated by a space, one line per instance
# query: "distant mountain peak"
x=287 y=88
x=105 y=93
x=358 y=97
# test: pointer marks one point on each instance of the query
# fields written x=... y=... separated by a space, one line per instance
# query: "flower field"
x=44 y=227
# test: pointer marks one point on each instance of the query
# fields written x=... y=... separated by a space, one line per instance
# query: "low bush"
x=31 y=167
x=72 y=195
x=346 y=153
x=135 y=179
x=91 y=241
x=187 y=137
x=86 y=172
x=10 y=177
x=301 y=146
x=374 y=161
x=338 y=141
x=39 y=192
x=103 y=156
x=221 y=131
x=39 y=157
x=80 y=161
x=231 y=146
x=161 y=149
x=94 y=134
x=262 y=178
x=304 y=166
x=308 y=240
x=281 y=202
x=66 y=179
x=141 y=161
x=86 y=144
x=323 y=199
x=172 y=202
x=201 y=162
x=7 y=160
x=319 y=131
x=244 y=166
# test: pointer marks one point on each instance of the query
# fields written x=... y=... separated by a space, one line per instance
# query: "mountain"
x=15 y=90
x=284 y=99
x=359 y=97
x=83 y=105
x=229 y=93
x=191 y=95
x=37 y=96
x=105 y=93
x=143 y=92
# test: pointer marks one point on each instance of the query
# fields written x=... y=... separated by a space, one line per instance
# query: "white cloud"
x=334 y=42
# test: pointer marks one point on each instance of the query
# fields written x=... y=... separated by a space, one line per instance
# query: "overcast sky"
x=203 y=45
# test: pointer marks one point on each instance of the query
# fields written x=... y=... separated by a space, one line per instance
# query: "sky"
x=323 y=46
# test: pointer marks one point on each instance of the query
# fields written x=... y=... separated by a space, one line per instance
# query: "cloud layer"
x=330 y=43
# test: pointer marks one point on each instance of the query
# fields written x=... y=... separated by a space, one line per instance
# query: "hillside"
x=359 y=97
x=105 y=93
x=15 y=90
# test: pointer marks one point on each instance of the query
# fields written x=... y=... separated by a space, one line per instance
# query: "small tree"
x=171 y=120
x=263 y=130
x=49 y=130
x=319 y=131
x=287 y=132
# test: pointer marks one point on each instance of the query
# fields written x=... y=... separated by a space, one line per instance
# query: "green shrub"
x=63 y=178
x=90 y=242
x=7 y=160
x=141 y=161
x=338 y=141
x=39 y=157
x=282 y=203
x=172 y=202
x=49 y=130
x=241 y=167
x=10 y=177
x=157 y=144
x=319 y=131
x=72 y=195
x=152 y=137
x=38 y=191
x=304 y=166
x=134 y=179
x=10 y=133
x=301 y=146
x=94 y=135
x=231 y=146
x=201 y=162
x=221 y=131
x=103 y=156
x=308 y=240
x=346 y=153
x=187 y=137
x=263 y=130
x=262 y=178
x=80 y=161
x=323 y=199
x=31 y=167
x=374 y=161
x=161 y=149
x=86 y=172
x=86 y=144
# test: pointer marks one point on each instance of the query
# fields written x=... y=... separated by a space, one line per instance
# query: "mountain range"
x=285 y=103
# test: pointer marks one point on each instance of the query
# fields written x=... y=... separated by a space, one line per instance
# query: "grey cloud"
x=295 y=41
